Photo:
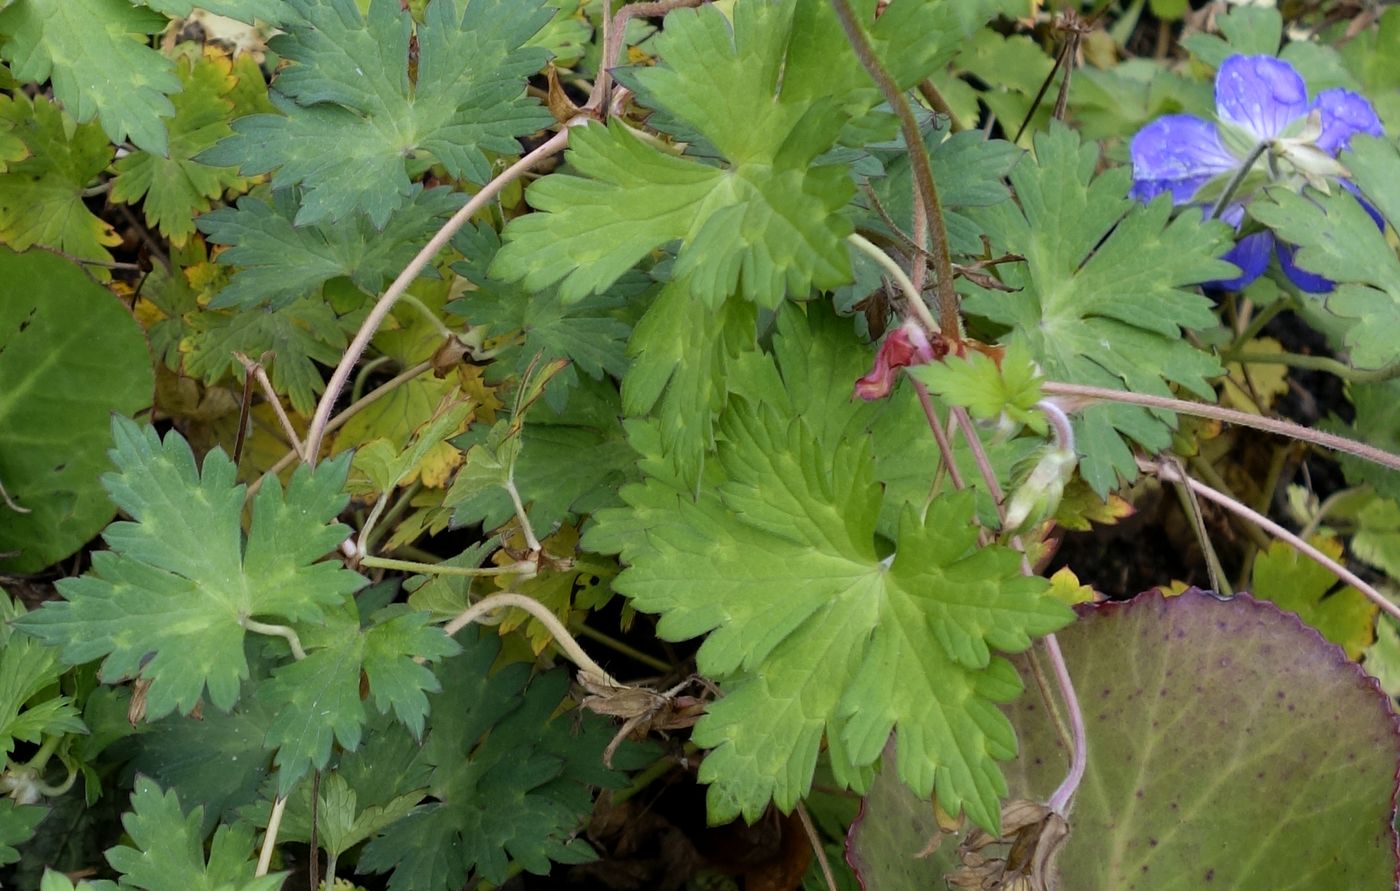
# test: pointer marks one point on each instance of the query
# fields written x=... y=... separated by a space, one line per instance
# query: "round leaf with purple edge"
x=1229 y=746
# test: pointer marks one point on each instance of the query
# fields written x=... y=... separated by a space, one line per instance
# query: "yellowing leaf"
x=1065 y=585
x=1254 y=387
x=1080 y=507
x=41 y=197
x=175 y=187
x=396 y=416
x=1294 y=582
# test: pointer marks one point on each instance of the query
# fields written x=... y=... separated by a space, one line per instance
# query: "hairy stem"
x=281 y=631
x=912 y=296
x=1169 y=473
x=524 y=567
x=940 y=436
x=1229 y=415
x=926 y=191
x=1079 y=754
x=1233 y=185
x=562 y=638
x=1317 y=363
x=321 y=419
x=274 y=825
x=258 y=373
x=339 y=420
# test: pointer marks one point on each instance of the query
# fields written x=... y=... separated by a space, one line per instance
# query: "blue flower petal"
x=1307 y=282
x=1251 y=254
x=1177 y=153
x=1344 y=114
x=1260 y=94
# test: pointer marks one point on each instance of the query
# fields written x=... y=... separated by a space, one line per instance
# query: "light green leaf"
x=184 y=559
x=1102 y=298
x=80 y=45
x=351 y=119
x=70 y=356
x=169 y=849
x=280 y=261
x=987 y=389
x=177 y=188
x=1300 y=585
x=815 y=634
x=41 y=197
x=26 y=668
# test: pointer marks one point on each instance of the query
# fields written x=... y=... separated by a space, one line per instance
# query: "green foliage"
x=351 y=117
x=27 y=669
x=816 y=631
x=1338 y=239
x=70 y=357
x=184 y=559
x=280 y=259
x=1297 y=583
x=41 y=196
x=1102 y=295
x=18 y=823
x=508 y=780
x=169 y=849
x=78 y=44
x=177 y=188
x=986 y=387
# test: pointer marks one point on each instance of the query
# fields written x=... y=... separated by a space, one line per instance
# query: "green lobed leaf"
x=768 y=223
x=280 y=260
x=175 y=189
x=1299 y=584
x=351 y=118
x=510 y=780
x=27 y=668
x=591 y=333
x=814 y=629
x=988 y=388
x=299 y=336
x=70 y=357
x=1102 y=298
x=184 y=558
x=169 y=849
x=1339 y=240
x=18 y=823
x=41 y=196
x=78 y=45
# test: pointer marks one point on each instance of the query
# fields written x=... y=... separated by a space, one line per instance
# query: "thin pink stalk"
x=1229 y=415
x=381 y=309
x=615 y=36
x=1079 y=754
x=1171 y=474
x=945 y=448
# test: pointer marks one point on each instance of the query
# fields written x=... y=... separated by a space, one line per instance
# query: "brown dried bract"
x=1031 y=836
x=641 y=708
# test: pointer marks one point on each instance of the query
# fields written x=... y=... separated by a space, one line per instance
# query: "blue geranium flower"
x=1265 y=120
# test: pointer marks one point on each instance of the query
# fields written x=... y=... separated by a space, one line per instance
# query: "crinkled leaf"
x=41 y=197
x=176 y=188
x=385 y=466
x=169 y=599
x=397 y=421
x=279 y=260
x=70 y=357
x=169 y=849
x=509 y=780
x=1102 y=298
x=81 y=45
x=1301 y=585
x=351 y=119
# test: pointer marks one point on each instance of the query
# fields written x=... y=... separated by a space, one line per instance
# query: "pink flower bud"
x=904 y=346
